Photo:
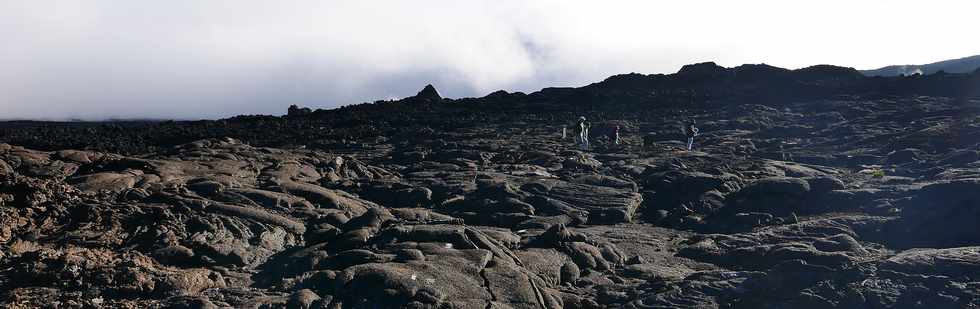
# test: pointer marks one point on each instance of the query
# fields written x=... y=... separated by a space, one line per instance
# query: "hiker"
x=616 y=135
x=583 y=133
x=786 y=156
x=691 y=131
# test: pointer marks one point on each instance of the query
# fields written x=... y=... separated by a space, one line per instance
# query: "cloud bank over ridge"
x=209 y=59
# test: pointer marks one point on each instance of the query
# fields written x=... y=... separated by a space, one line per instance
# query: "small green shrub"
x=878 y=173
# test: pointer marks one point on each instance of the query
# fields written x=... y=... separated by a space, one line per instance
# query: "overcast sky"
x=94 y=59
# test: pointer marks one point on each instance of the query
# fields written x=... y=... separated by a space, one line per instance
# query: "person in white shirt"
x=691 y=131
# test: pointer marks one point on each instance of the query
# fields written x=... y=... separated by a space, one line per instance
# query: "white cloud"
x=207 y=59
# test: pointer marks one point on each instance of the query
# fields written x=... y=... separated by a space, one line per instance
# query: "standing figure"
x=786 y=156
x=583 y=133
x=691 y=131
x=563 y=132
x=616 y=135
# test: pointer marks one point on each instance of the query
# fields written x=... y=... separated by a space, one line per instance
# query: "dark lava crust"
x=811 y=188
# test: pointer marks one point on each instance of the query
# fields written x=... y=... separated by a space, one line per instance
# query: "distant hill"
x=962 y=65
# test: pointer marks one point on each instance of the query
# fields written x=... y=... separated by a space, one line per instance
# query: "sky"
x=184 y=59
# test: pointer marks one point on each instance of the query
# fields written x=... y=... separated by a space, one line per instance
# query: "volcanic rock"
x=808 y=188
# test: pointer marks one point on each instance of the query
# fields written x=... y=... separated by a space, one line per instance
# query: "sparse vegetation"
x=878 y=173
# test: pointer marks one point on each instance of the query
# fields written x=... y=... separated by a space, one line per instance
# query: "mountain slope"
x=961 y=65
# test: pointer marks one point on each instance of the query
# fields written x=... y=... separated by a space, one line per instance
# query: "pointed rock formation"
x=428 y=94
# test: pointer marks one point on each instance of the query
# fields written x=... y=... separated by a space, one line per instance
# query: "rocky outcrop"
x=427 y=94
x=297 y=111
